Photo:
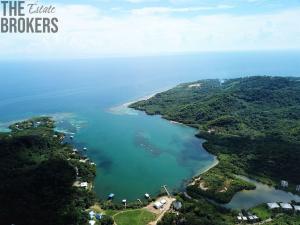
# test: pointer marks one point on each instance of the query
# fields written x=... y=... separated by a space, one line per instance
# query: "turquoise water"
x=134 y=153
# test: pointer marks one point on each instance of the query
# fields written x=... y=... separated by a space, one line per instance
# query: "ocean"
x=135 y=153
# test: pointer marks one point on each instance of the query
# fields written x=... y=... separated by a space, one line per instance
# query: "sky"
x=105 y=28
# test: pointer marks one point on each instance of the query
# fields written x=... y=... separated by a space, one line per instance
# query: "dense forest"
x=37 y=173
x=252 y=124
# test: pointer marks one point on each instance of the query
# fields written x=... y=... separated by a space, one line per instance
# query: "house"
x=239 y=218
x=99 y=216
x=163 y=201
x=92 y=214
x=177 y=205
x=286 y=206
x=157 y=205
x=273 y=205
x=84 y=185
x=284 y=184
x=297 y=208
x=92 y=222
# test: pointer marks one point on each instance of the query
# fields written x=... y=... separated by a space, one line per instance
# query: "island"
x=251 y=124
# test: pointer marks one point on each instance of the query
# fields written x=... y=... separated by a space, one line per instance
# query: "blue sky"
x=100 y=28
x=230 y=6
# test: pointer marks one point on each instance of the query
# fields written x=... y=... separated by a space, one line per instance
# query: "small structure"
x=99 y=216
x=124 y=201
x=111 y=196
x=297 y=208
x=77 y=171
x=286 y=206
x=284 y=184
x=163 y=201
x=177 y=205
x=255 y=218
x=239 y=218
x=157 y=205
x=244 y=218
x=92 y=214
x=147 y=196
x=92 y=222
x=85 y=149
x=84 y=185
x=298 y=188
x=273 y=205
x=251 y=218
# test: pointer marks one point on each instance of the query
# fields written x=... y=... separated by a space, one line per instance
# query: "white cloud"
x=86 y=32
x=167 y=10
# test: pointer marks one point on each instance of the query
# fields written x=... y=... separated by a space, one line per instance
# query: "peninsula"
x=38 y=173
x=251 y=124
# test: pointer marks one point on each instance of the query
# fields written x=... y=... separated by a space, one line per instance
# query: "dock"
x=165 y=187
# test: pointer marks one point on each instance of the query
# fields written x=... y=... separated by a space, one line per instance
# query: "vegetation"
x=198 y=212
x=37 y=173
x=252 y=124
x=134 y=217
x=262 y=211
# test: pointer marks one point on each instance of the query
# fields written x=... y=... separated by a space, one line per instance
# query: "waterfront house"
x=163 y=201
x=111 y=196
x=286 y=206
x=284 y=184
x=273 y=205
x=297 y=208
x=157 y=205
x=177 y=205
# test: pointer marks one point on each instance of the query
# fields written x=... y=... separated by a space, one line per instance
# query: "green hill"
x=252 y=124
x=37 y=173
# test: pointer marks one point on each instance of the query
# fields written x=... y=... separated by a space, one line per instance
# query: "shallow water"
x=134 y=153
x=262 y=194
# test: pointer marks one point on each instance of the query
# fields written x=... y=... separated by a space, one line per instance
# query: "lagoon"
x=134 y=153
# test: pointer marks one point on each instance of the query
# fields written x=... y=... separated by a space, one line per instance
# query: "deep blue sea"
x=134 y=153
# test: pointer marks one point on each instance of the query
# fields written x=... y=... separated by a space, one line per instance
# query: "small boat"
x=85 y=149
x=147 y=195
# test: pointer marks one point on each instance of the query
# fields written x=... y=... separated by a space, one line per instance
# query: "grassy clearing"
x=134 y=217
x=262 y=211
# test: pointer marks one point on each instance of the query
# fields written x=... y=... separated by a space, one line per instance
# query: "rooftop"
x=273 y=205
x=286 y=206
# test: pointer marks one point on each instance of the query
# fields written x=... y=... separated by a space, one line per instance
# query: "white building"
x=273 y=205
x=92 y=222
x=284 y=184
x=297 y=208
x=84 y=184
x=157 y=205
x=286 y=206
